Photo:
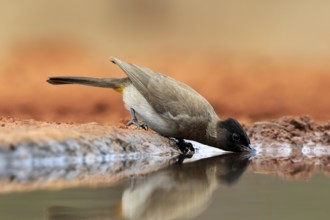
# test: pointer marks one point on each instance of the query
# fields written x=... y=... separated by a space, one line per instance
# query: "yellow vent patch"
x=120 y=89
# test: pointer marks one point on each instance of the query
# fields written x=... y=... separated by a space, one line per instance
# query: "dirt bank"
x=298 y=131
x=52 y=155
x=35 y=154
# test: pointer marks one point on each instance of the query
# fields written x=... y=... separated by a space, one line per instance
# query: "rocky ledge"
x=36 y=154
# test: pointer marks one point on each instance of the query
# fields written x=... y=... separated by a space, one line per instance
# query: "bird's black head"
x=232 y=136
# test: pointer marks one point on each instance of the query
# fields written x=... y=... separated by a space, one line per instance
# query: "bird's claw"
x=186 y=148
x=138 y=124
x=134 y=121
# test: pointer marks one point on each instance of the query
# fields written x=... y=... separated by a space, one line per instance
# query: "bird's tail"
x=115 y=83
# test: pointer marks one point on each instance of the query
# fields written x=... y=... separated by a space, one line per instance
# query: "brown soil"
x=91 y=137
x=250 y=89
x=292 y=130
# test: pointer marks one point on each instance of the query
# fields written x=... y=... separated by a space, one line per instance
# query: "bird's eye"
x=236 y=137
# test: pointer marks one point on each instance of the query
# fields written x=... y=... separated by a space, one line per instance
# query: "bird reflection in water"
x=177 y=192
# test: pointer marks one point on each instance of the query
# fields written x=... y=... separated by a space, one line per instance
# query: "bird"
x=169 y=107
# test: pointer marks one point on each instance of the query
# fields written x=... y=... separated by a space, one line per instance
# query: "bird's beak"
x=247 y=148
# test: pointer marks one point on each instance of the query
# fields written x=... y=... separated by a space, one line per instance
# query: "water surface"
x=222 y=187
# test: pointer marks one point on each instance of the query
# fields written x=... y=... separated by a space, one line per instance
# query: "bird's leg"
x=136 y=122
x=132 y=181
x=186 y=148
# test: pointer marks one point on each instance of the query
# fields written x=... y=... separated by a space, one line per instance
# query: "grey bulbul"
x=169 y=107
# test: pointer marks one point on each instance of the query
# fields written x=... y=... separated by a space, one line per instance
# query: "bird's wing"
x=168 y=97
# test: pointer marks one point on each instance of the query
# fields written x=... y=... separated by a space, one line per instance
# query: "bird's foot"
x=138 y=124
x=134 y=121
x=186 y=148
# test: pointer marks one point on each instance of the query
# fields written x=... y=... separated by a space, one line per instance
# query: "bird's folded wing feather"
x=168 y=97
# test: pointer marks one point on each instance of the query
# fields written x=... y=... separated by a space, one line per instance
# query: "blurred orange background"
x=253 y=60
